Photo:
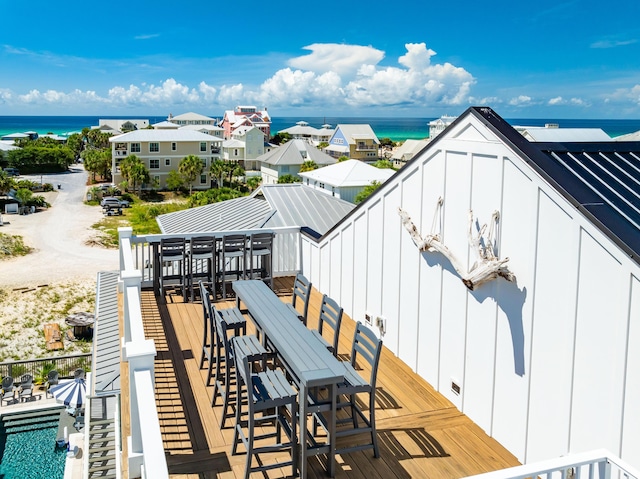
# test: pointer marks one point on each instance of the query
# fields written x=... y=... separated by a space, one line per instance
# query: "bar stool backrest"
x=172 y=249
x=331 y=316
x=302 y=291
x=260 y=243
x=234 y=244
x=202 y=246
x=368 y=346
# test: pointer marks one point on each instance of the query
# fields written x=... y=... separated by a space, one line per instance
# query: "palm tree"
x=134 y=171
x=218 y=169
x=6 y=183
x=190 y=168
x=308 y=165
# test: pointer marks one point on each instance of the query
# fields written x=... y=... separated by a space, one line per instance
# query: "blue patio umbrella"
x=71 y=393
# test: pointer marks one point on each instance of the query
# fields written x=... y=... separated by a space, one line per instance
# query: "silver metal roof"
x=299 y=205
x=106 y=336
x=240 y=213
x=270 y=206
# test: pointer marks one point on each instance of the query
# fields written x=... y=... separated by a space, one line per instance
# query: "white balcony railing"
x=599 y=464
x=146 y=457
x=286 y=251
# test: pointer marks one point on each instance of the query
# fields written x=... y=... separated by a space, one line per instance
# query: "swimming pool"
x=29 y=452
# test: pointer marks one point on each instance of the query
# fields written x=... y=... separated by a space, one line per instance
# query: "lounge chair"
x=78 y=374
x=52 y=380
x=7 y=391
x=26 y=387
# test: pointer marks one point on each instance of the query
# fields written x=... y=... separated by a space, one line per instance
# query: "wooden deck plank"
x=421 y=434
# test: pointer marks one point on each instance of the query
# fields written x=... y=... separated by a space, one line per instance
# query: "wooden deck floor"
x=421 y=434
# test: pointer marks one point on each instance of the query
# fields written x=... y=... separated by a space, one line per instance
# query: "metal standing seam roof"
x=290 y=154
x=106 y=336
x=240 y=213
x=269 y=207
x=601 y=179
x=299 y=205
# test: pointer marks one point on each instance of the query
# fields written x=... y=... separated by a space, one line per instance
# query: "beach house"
x=357 y=142
x=246 y=144
x=500 y=272
x=162 y=149
x=191 y=118
x=246 y=116
x=406 y=151
x=345 y=179
x=287 y=159
x=303 y=131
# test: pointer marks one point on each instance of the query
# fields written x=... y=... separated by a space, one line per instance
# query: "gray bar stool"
x=173 y=259
x=202 y=262
x=233 y=257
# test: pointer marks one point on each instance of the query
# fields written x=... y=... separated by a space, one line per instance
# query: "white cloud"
x=344 y=76
x=571 y=101
x=612 y=43
x=208 y=92
x=522 y=100
x=169 y=92
x=338 y=58
x=421 y=83
x=625 y=95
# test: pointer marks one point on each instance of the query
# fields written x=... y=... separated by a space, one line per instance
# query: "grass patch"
x=12 y=245
x=141 y=217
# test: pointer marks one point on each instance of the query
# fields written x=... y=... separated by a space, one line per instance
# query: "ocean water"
x=396 y=128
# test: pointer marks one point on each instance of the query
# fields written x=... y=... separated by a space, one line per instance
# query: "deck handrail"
x=144 y=445
x=286 y=259
x=599 y=463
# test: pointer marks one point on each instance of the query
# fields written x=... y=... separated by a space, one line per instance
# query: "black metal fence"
x=39 y=368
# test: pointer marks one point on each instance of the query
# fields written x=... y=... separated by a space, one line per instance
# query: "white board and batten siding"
x=549 y=365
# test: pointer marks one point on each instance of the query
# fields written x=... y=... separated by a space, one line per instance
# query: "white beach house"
x=345 y=179
x=504 y=272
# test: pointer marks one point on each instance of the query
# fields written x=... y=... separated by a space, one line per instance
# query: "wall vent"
x=455 y=387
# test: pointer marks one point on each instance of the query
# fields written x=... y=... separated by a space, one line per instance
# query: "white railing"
x=599 y=464
x=145 y=450
x=286 y=250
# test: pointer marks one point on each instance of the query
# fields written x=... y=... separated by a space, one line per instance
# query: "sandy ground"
x=59 y=277
x=58 y=235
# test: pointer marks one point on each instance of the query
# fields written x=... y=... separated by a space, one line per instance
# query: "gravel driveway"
x=58 y=236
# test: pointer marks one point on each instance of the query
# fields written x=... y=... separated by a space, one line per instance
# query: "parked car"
x=111 y=202
x=12 y=171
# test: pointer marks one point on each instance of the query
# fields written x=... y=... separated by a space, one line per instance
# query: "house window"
x=235 y=152
x=167 y=162
x=204 y=162
x=154 y=164
x=135 y=147
x=203 y=146
x=174 y=146
x=203 y=179
x=154 y=147
x=322 y=185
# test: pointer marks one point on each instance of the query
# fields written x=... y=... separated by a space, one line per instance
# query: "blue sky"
x=574 y=59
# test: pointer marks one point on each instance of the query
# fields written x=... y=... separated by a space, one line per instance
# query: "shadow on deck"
x=420 y=433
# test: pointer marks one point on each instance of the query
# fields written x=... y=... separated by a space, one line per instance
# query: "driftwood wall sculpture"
x=487 y=265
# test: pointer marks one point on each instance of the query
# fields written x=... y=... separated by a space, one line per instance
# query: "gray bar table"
x=306 y=359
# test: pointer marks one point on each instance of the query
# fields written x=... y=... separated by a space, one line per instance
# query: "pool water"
x=31 y=454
